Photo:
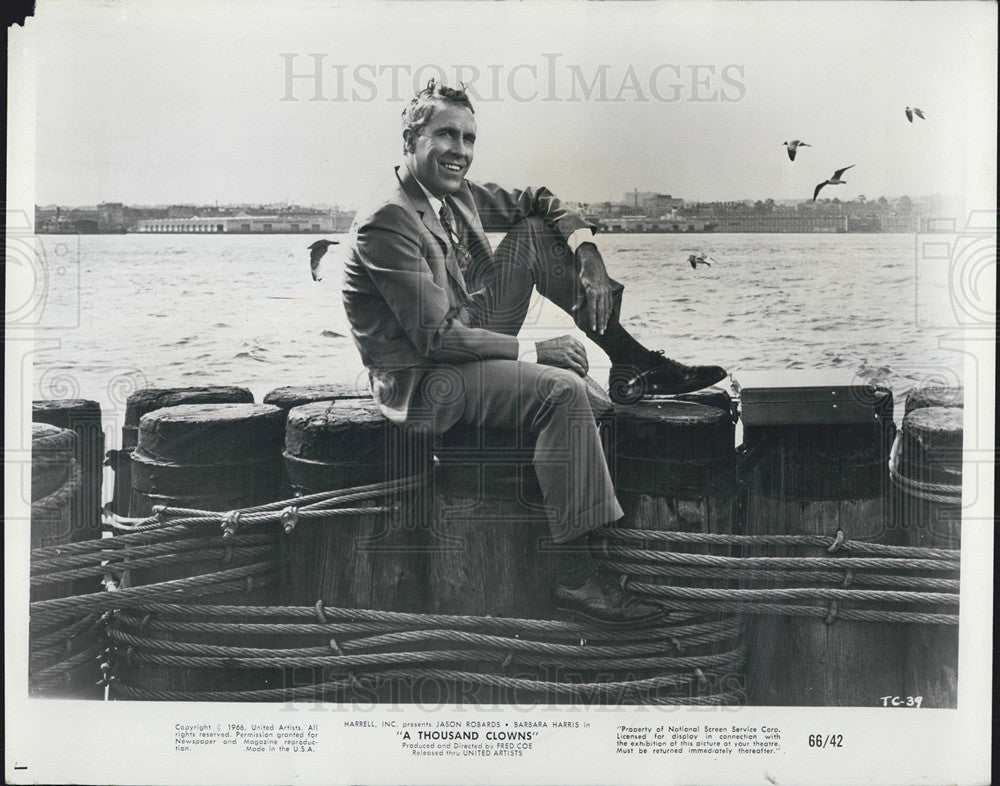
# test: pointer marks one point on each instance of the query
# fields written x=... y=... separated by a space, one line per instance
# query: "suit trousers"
x=546 y=405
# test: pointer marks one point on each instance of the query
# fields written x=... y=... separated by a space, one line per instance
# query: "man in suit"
x=435 y=314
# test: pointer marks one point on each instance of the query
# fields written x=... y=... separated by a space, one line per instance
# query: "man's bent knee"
x=548 y=244
x=560 y=387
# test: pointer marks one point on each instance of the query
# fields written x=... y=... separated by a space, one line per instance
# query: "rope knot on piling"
x=230 y=523
x=289 y=518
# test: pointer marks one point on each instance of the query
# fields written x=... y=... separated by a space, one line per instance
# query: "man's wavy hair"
x=420 y=110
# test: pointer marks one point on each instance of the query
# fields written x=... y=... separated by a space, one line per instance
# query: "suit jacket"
x=404 y=293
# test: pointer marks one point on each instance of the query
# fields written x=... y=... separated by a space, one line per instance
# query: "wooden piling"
x=933 y=396
x=146 y=400
x=83 y=417
x=492 y=552
x=62 y=657
x=55 y=487
x=675 y=471
x=291 y=396
x=491 y=548
x=805 y=477
x=363 y=560
x=930 y=514
x=216 y=457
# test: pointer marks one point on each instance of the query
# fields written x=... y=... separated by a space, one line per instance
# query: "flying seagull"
x=833 y=181
x=699 y=259
x=316 y=252
x=794 y=145
x=914 y=111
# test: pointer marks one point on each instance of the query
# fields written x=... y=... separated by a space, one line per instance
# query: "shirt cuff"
x=580 y=236
x=526 y=351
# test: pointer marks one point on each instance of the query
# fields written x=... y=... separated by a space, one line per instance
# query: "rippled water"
x=173 y=310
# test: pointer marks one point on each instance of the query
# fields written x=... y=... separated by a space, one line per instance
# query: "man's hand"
x=594 y=297
x=563 y=352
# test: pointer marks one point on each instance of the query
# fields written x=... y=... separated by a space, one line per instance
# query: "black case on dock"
x=811 y=398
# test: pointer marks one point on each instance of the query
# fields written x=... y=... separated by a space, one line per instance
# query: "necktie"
x=461 y=252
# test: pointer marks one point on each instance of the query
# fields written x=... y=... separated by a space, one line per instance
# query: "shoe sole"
x=626 y=396
x=689 y=388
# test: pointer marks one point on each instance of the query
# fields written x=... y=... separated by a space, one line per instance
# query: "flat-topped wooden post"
x=366 y=559
x=934 y=396
x=929 y=493
x=213 y=457
x=290 y=396
x=675 y=472
x=146 y=400
x=83 y=417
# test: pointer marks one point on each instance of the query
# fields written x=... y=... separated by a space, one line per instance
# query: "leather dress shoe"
x=658 y=375
x=601 y=601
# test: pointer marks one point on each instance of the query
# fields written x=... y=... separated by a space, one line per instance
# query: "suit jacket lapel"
x=430 y=220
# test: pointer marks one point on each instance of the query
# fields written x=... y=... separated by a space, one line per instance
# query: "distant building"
x=246 y=224
x=644 y=224
x=651 y=203
x=800 y=223
x=76 y=221
x=182 y=211
x=111 y=216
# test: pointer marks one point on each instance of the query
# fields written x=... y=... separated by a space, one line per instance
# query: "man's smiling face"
x=441 y=153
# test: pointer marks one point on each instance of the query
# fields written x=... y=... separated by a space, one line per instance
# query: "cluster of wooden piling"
x=469 y=545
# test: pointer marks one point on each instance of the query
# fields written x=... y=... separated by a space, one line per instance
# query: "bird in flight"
x=833 y=181
x=910 y=112
x=316 y=252
x=699 y=259
x=794 y=145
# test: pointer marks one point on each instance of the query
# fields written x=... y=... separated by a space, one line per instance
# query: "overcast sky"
x=174 y=102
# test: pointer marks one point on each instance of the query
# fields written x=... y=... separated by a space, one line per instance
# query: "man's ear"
x=409 y=140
